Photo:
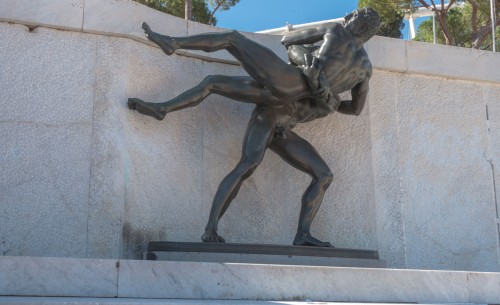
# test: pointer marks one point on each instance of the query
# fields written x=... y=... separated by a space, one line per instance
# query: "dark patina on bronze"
x=305 y=89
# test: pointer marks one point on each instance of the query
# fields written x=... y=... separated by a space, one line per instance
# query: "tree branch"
x=441 y=17
x=211 y=17
x=434 y=5
x=475 y=9
x=426 y=5
x=450 y=4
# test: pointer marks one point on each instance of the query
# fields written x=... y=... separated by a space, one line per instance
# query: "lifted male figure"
x=284 y=94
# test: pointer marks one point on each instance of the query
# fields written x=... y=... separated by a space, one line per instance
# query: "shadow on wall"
x=134 y=241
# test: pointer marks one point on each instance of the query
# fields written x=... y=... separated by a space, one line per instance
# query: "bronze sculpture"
x=284 y=94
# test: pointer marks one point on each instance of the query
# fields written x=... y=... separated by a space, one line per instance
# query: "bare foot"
x=143 y=107
x=166 y=43
x=308 y=240
x=212 y=236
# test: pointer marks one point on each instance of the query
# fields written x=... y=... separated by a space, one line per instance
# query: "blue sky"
x=257 y=15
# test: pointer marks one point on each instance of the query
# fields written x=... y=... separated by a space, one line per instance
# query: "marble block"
x=455 y=62
x=66 y=14
x=275 y=282
x=446 y=181
x=387 y=53
x=44 y=276
x=148 y=280
x=125 y=18
x=45 y=136
x=484 y=287
x=128 y=301
x=386 y=171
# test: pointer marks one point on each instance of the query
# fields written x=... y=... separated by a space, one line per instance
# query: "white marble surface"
x=36 y=276
x=446 y=181
x=491 y=94
x=455 y=62
x=386 y=169
x=127 y=18
x=162 y=160
x=45 y=135
x=274 y=282
x=107 y=195
x=484 y=287
x=64 y=14
x=129 y=301
x=387 y=53
x=44 y=276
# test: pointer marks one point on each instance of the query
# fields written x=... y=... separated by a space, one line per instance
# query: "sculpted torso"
x=345 y=65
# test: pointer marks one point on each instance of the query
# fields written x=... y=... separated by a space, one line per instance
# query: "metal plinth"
x=262 y=254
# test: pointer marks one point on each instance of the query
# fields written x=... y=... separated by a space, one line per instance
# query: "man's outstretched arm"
x=308 y=36
x=359 y=95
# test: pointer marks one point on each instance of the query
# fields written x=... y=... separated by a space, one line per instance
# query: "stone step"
x=108 y=278
x=127 y=301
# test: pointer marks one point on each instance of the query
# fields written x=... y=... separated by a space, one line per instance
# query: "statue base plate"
x=262 y=254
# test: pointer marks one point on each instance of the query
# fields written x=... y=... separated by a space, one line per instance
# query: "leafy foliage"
x=391 y=16
x=201 y=13
x=221 y=5
x=468 y=27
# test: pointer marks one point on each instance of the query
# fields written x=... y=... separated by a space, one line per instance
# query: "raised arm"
x=308 y=36
x=359 y=95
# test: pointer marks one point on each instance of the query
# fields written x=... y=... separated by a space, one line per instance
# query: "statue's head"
x=363 y=23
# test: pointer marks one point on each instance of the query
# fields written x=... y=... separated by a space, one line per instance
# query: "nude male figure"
x=284 y=94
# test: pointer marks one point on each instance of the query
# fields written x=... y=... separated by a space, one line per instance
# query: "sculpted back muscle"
x=344 y=72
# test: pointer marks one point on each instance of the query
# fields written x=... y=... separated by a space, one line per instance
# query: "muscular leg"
x=240 y=88
x=259 y=134
x=301 y=155
x=282 y=80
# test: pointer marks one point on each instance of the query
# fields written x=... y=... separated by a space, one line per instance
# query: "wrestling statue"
x=285 y=94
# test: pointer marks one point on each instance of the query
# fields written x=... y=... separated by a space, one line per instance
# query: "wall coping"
x=123 y=18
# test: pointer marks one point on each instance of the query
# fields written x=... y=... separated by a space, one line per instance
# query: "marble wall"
x=433 y=171
x=83 y=176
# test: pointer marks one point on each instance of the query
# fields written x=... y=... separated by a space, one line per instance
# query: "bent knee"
x=234 y=35
x=325 y=178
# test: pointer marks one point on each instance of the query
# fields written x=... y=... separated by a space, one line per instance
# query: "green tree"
x=440 y=12
x=468 y=26
x=200 y=11
x=222 y=5
x=391 y=15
